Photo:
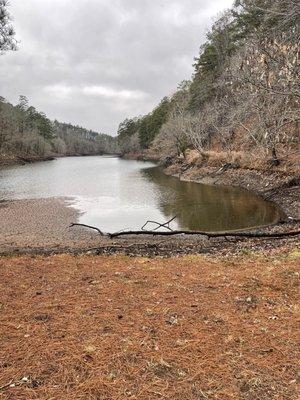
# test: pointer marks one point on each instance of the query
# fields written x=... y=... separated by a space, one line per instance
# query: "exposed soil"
x=115 y=327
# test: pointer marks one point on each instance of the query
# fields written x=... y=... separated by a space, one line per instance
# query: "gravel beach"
x=41 y=223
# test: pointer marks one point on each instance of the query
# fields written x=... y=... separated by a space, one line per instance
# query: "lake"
x=115 y=194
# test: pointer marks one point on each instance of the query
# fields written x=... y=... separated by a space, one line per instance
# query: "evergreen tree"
x=7 y=33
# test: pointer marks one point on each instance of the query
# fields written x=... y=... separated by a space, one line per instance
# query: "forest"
x=28 y=134
x=242 y=102
x=241 y=105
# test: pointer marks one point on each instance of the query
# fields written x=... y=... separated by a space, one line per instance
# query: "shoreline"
x=41 y=226
x=31 y=160
x=8 y=162
x=272 y=185
x=256 y=181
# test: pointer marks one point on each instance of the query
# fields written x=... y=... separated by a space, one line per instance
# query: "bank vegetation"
x=242 y=104
x=28 y=134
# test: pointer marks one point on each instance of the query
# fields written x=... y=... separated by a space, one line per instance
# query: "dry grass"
x=115 y=327
x=257 y=160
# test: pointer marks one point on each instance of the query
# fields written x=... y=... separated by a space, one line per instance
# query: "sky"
x=95 y=62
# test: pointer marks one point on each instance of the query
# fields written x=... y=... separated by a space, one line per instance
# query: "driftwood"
x=166 y=225
x=208 y=234
x=90 y=227
x=7 y=385
x=170 y=232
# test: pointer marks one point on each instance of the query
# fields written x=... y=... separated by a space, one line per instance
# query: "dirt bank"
x=278 y=184
x=185 y=328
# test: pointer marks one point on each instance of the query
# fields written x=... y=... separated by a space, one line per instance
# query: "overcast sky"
x=95 y=62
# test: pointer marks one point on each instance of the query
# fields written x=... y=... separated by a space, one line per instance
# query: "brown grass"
x=116 y=327
x=257 y=160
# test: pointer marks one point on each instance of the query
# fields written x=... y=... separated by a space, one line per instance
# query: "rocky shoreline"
x=6 y=162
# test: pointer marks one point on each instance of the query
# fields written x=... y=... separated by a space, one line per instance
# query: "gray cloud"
x=95 y=62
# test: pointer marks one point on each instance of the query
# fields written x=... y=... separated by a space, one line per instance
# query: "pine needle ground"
x=118 y=327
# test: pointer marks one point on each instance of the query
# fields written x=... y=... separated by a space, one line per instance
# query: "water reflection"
x=115 y=194
x=210 y=208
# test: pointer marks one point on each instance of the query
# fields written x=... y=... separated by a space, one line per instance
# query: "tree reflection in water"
x=210 y=208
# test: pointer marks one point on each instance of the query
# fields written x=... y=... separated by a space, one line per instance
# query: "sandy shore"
x=42 y=225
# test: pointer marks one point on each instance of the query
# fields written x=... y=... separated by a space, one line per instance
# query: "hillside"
x=241 y=106
x=27 y=135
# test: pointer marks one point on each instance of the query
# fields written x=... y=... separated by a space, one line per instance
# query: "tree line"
x=243 y=95
x=242 y=98
x=28 y=133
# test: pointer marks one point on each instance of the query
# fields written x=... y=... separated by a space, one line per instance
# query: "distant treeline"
x=28 y=133
x=244 y=94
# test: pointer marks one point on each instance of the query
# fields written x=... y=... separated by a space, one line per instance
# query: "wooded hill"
x=28 y=134
x=242 y=102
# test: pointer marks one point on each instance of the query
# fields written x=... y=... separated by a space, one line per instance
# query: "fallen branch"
x=90 y=227
x=166 y=225
x=227 y=234
x=207 y=234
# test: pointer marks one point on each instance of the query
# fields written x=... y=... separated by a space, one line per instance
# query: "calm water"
x=116 y=194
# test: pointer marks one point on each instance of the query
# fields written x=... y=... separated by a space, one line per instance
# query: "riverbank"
x=277 y=186
x=280 y=185
x=42 y=226
x=10 y=161
x=189 y=327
